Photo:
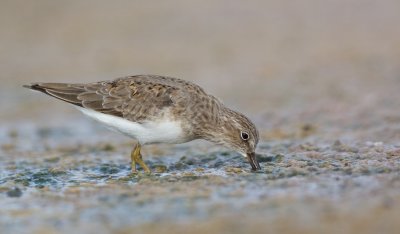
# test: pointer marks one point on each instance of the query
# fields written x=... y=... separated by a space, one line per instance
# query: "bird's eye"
x=244 y=136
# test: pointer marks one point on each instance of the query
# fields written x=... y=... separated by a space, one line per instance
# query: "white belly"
x=163 y=131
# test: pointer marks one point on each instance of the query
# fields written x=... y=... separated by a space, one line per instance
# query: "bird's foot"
x=136 y=157
x=142 y=164
x=133 y=166
x=146 y=169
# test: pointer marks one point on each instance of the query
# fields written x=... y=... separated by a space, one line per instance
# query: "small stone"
x=208 y=158
x=56 y=171
x=279 y=158
x=235 y=170
x=160 y=168
x=264 y=158
x=313 y=155
x=15 y=192
x=340 y=147
x=307 y=130
x=296 y=163
x=179 y=166
x=199 y=169
x=217 y=164
x=108 y=147
x=188 y=174
x=393 y=153
x=308 y=147
x=52 y=160
x=172 y=179
x=108 y=169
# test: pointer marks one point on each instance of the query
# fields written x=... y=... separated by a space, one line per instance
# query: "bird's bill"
x=253 y=161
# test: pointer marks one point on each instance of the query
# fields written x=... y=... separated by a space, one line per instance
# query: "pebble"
x=235 y=170
x=15 y=192
x=160 y=168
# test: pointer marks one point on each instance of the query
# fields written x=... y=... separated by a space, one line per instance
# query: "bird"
x=158 y=109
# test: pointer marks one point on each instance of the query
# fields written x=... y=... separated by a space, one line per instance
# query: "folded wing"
x=133 y=98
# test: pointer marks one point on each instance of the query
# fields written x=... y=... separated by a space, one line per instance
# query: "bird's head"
x=238 y=133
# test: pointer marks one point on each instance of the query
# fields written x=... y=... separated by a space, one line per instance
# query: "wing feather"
x=135 y=98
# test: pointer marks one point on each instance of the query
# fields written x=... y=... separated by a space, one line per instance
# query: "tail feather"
x=66 y=92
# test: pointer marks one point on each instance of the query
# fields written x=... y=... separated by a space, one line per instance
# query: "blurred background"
x=325 y=69
x=258 y=56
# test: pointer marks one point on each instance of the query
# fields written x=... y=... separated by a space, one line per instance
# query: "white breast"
x=163 y=131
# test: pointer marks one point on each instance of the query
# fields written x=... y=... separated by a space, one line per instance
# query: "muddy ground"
x=320 y=79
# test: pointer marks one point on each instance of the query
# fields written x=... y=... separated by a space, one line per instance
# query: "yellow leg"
x=136 y=158
x=133 y=162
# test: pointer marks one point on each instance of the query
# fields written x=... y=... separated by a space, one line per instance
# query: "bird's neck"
x=214 y=129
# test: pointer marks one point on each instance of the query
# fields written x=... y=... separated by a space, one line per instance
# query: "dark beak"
x=253 y=161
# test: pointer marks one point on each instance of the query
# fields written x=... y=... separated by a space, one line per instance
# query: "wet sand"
x=305 y=185
x=320 y=81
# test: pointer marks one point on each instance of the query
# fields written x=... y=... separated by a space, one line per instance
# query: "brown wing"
x=136 y=98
